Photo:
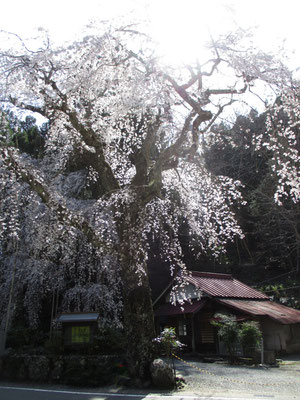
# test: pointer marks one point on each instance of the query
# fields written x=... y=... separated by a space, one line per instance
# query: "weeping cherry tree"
x=122 y=166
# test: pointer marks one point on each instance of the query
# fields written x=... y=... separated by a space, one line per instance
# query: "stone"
x=162 y=375
x=180 y=381
x=269 y=357
x=38 y=369
x=56 y=373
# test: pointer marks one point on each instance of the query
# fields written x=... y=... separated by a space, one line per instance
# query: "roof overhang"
x=78 y=317
x=179 y=309
x=264 y=308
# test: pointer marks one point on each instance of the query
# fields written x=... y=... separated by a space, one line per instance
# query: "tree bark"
x=138 y=316
x=138 y=325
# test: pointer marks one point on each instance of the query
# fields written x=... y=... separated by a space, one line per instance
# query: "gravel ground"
x=219 y=380
x=249 y=381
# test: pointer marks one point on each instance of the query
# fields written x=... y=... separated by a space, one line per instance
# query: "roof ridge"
x=243 y=298
x=223 y=285
x=211 y=275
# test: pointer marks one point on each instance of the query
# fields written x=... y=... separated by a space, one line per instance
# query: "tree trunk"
x=138 y=316
x=139 y=326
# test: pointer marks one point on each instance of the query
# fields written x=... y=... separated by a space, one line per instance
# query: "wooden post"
x=262 y=351
x=193 y=334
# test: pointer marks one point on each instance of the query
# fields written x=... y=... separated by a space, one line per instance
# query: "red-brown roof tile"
x=223 y=286
x=277 y=312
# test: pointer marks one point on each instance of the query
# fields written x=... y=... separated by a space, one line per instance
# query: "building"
x=211 y=293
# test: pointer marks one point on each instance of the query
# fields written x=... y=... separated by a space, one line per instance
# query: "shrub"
x=228 y=331
x=250 y=336
x=247 y=334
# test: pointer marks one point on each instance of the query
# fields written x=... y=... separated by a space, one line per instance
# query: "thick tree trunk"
x=138 y=326
x=138 y=316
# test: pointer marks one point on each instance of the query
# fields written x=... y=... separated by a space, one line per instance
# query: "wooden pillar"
x=193 y=334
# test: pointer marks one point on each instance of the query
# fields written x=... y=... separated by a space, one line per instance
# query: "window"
x=80 y=334
x=182 y=328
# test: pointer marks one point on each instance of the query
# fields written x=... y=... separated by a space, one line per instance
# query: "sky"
x=180 y=27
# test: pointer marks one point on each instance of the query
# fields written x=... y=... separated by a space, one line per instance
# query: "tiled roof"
x=78 y=317
x=277 y=312
x=223 y=286
x=187 y=308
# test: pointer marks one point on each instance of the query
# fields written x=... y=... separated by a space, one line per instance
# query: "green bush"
x=228 y=330
x=250 y=336
x=247 y=334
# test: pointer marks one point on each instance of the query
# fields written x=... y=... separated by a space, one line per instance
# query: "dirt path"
x=221 y=379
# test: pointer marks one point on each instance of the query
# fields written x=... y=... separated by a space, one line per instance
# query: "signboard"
x=81 y=334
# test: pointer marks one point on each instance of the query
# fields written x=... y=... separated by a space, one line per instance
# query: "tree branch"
x=209 y=92
x=64 y=214
x=142 y=158
x=196 y=106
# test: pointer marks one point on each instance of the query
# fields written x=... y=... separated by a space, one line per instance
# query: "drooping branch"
x=54 y=203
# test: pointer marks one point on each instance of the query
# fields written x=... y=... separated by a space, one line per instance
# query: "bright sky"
x=180 y=26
